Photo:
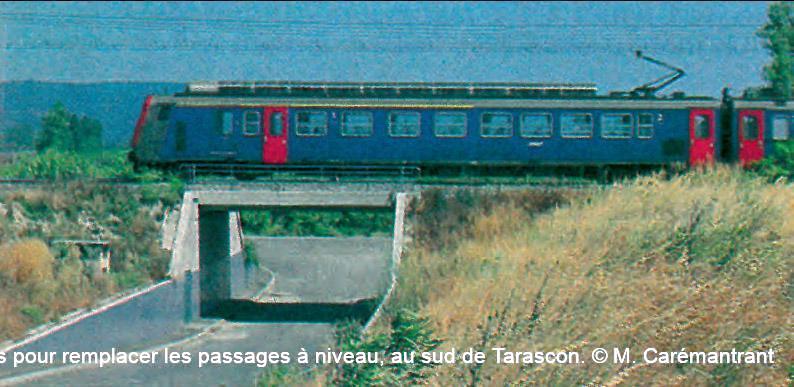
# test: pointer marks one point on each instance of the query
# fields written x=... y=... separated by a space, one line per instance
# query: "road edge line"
x=28 y=377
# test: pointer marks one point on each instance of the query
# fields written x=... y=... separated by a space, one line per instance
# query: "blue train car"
x=446 y=124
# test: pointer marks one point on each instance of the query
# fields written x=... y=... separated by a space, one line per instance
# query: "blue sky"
x=528 y=42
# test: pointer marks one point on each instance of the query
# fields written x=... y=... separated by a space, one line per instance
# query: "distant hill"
x=115 y=104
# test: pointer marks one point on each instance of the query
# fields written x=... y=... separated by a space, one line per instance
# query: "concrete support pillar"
x=192 y=298
x=214 y=259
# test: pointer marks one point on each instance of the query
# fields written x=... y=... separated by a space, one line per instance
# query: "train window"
x=449 y=125
x=165 y=112
x=576 y=125
x=276 y=124
x=356 y=124
x=617 y=125
x=645 y=125
x=536 y=125
x=750 y=128
x=251 y=123
x=496 y=125
x=702 y=129
x=311 y=123
x=181 y=136
x=225 y=123
x=780 y=128
x=404 y=124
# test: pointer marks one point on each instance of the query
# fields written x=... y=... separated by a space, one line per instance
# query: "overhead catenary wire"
x=308 y=35
x=130 y=23
x=353 y=24
x=539 y=47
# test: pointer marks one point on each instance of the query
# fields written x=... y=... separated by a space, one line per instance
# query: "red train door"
x=751 y=136
x=701 y=137
x=274 y=149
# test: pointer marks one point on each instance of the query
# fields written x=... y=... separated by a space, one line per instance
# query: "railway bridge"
x=203 y=243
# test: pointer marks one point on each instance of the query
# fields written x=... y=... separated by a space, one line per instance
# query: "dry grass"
x=36 y=288
x=26 y=261
x=702 y=262
x=39 y=283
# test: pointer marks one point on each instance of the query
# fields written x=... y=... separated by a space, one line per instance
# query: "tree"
x=778 y=35
x=64 y=131
x=55 y=133
x=90 y=131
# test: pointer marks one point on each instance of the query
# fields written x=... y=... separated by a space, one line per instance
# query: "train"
x=426 y=125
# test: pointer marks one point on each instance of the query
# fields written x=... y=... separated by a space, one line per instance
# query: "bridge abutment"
x=215 y=264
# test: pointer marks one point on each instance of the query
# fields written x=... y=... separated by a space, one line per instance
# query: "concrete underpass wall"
x=398 y=239
x=215 y=264
x=223 y=272
x=225 y=275
x=183 y=239
x=242 y=277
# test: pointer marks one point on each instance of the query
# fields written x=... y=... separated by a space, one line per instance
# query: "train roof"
x=390 y=89
x=405 y=93
x=763 y=104
x=439 y=103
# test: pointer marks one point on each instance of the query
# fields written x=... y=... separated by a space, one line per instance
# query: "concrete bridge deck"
x=239 y=199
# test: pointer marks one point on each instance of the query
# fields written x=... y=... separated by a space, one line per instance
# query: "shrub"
x=286 y=375
x=303 y=222
x=59 y=165
x=34 y=313
x=780 y=164
x=27 y=261
x=11 y=324
x=251 y=259
x=406 y=333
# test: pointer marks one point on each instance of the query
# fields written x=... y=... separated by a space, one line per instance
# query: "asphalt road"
x=239 y=337
x=324 y=269
x=304 y=270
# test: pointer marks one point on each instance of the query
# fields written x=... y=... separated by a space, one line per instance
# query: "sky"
x=385 y=41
